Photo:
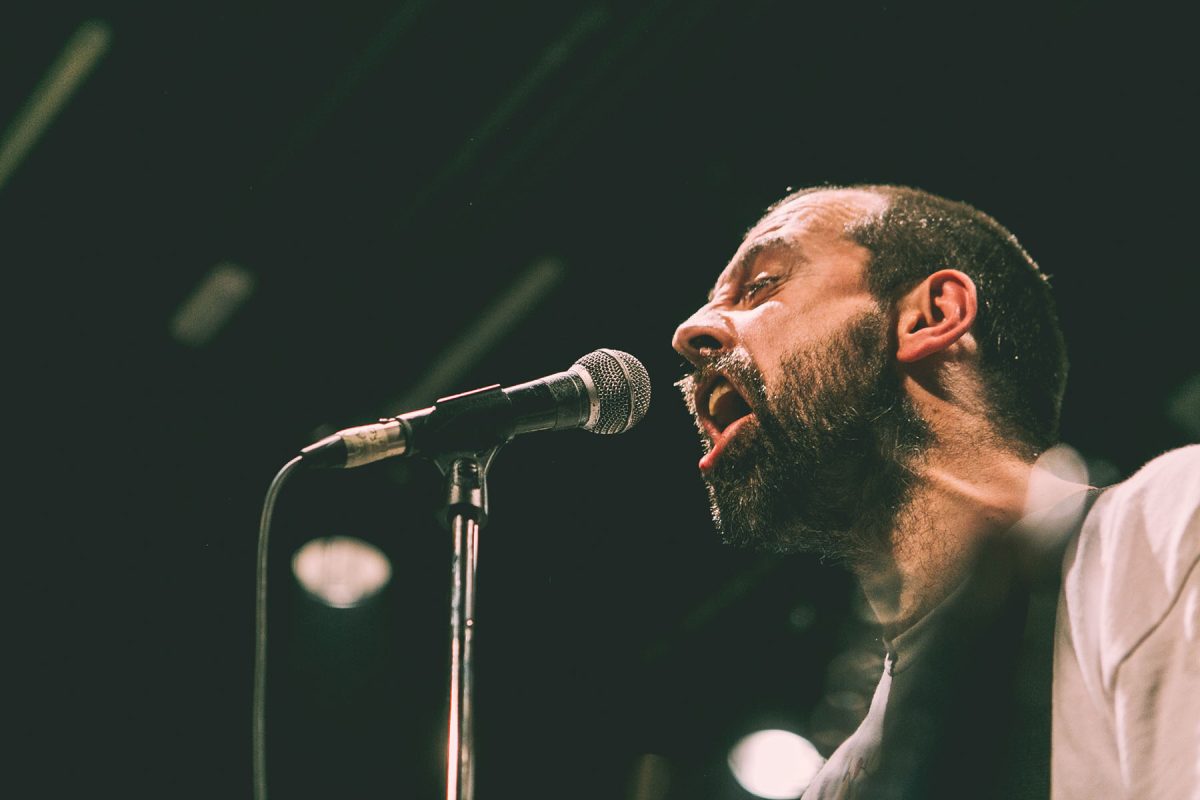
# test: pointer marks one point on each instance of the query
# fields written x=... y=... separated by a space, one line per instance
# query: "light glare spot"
x=226 y=287
x=341 y=571
x=774 y=764
x=1058 y=473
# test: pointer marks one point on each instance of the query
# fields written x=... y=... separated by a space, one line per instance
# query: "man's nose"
x=702 y=336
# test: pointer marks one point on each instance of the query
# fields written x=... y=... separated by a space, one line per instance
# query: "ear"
x=935 y=315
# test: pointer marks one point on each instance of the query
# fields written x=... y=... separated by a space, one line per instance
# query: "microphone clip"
x=471 y=422
x=466 y=485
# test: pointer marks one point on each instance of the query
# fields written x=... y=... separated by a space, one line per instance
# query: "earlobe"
x=935 y=315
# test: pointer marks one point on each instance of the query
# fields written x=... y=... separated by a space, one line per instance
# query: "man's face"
x=800 y=411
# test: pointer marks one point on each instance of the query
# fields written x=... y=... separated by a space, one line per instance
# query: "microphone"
x=606 y=391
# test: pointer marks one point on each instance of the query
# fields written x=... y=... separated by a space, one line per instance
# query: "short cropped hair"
x=1022 y=354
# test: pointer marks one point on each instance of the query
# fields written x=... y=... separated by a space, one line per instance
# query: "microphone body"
x=606 y=391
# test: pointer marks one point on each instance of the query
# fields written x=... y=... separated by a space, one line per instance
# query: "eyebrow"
x=745 y=263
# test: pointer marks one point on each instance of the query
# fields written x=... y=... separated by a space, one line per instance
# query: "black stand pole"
x=466 y=509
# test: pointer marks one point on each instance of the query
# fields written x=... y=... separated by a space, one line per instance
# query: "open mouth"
x=721 y=408
x=724 y=405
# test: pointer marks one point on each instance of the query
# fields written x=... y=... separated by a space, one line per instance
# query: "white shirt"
x=1126 y=701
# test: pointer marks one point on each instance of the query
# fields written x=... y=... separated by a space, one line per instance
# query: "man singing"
x=876 y=372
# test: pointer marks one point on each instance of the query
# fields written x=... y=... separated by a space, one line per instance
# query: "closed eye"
x=759 y=284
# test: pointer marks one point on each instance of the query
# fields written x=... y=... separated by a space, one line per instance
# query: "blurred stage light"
x=341 y=571
x=802 y=617
x=486 y=331
x=651 y=778
x=1183 y=406
x=774 y=764
x=77 y=60
x=202 y=315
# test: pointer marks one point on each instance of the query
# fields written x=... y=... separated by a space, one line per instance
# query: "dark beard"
x=824 y=470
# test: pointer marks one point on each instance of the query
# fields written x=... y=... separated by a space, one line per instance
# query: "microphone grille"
x=622 y=389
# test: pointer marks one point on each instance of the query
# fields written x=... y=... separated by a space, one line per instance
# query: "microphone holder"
x=466 y=515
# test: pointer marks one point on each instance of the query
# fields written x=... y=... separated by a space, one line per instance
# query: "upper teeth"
x=718 y=391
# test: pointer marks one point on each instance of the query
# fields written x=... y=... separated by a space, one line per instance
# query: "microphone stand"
x=466 y=512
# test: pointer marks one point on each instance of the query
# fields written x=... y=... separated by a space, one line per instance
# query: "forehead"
x=809 y=228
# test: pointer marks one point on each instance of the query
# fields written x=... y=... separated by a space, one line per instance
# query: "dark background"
x=386 y=172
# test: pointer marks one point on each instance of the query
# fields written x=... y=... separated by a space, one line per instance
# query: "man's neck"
x=960 y=499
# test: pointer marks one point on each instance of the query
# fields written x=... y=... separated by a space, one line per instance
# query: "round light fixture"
x=341 y=571
x=774 y=764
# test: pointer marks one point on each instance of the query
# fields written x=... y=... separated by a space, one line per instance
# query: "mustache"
x=736 y=364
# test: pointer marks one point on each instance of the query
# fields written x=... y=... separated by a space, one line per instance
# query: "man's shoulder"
x=1131 y=559
x=1155 y=512
x=1175 y=472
